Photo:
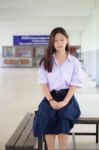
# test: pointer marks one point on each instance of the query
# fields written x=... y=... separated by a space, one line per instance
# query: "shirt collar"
x=55 y=59
x=68 y=58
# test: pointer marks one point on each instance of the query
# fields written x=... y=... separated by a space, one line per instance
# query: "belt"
x=61 y=91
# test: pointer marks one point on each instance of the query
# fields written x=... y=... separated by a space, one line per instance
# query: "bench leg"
x=40 y=144
x=97 y=133
x=74 y=142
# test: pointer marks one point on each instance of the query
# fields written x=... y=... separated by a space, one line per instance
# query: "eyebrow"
x=59 y=37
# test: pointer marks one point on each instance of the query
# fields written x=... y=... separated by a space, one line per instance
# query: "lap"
x=71 y=110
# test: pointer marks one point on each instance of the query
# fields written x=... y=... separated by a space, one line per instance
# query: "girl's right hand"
x=54 y=104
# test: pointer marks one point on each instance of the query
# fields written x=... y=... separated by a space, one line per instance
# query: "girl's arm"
x=48 y=96
x=70 y=94
x=66 y=100
x=46 y=92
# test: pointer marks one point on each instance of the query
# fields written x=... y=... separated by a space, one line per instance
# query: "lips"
x=60 y=46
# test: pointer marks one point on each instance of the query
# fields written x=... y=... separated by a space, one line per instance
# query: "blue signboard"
x=31 y=40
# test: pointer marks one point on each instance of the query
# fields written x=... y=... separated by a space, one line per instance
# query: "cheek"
x=55 y=45
x=65 y=43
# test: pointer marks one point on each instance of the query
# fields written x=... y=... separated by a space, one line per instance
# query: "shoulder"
x=41 y=68
x=73 y=59
x=41 y=65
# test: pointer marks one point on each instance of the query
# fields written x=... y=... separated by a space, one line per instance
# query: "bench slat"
x=31 y=141
x=25 y=134
x=12 y=141
x=88 y=120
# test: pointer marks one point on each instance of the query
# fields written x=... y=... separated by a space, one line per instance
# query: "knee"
x=45 y=110
x=61 y=114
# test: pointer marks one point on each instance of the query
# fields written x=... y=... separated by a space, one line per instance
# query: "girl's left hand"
x=62 y=104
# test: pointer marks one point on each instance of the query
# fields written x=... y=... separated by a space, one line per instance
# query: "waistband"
x=61 y=91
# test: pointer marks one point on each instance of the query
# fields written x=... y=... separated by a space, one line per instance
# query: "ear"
x=67 y=40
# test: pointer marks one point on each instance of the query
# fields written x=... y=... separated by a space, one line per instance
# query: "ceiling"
x=45 y=14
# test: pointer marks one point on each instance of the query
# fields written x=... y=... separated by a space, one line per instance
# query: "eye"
x=55 y=40
x=62 y=40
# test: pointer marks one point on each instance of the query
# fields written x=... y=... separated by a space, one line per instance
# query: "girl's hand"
x=54 y=104
x=62 y=104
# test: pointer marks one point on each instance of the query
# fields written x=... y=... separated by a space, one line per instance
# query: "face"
x=60 y=42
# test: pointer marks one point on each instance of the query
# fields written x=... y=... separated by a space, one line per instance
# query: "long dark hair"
x=48 y=57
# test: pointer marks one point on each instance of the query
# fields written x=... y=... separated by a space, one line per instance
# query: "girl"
x=59 y=75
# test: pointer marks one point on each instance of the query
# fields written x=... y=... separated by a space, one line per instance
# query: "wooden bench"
x=23 y=139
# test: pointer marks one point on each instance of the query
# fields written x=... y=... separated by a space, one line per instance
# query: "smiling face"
x=60 y=42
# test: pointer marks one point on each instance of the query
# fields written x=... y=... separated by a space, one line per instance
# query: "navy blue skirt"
x=50 y=121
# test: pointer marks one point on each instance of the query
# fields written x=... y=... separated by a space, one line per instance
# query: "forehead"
x=59 y=35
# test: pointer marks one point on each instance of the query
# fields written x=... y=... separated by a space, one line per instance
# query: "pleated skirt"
x=50 y=121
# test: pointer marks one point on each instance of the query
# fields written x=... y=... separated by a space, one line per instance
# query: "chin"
x=61 y=49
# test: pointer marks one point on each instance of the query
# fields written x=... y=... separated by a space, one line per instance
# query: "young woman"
x=60 y=75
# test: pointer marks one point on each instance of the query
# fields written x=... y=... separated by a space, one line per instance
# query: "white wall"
x=75 y=37
x=88 y=45
x=97 y=43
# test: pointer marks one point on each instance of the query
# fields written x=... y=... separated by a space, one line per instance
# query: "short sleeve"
x=42 y=78
x=77 y=76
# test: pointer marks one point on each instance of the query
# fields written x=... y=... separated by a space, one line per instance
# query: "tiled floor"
x=20 y=93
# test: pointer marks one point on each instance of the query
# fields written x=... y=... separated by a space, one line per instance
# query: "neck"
x=61 y=57
x=61 y=54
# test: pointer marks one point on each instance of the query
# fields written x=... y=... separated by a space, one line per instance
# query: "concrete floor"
x=20 y=93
